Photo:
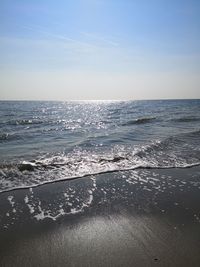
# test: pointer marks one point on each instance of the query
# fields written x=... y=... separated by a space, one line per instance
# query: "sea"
x=46 y=141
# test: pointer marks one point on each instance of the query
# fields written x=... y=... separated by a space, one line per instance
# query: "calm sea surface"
x=45 y=141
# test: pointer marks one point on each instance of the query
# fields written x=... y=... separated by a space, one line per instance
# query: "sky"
x=99 y=49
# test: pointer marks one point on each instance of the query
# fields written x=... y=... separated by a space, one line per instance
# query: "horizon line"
x=93 y=100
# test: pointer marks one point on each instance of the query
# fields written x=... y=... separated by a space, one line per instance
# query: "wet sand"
x=130 y=218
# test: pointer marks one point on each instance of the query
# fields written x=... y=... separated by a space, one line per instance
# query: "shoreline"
x=189 y=166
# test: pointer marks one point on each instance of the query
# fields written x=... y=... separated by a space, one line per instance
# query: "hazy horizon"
x=97 y=100
x=99 y=50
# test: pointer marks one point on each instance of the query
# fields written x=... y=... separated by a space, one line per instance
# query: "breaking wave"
x=172 y=152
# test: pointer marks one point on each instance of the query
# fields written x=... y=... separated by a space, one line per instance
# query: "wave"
x=186 y=119
x=4 y=136
x=183 y=147
x=25 y=122
x=180 y=151
x=187 y=166
x=139 y=121
x=192 y=133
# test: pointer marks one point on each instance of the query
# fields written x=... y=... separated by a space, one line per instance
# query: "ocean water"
x=41 y=142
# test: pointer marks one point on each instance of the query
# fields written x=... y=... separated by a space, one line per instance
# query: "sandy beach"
x=100 y=133
x=114 y=219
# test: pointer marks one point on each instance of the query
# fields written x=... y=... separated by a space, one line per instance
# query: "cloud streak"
x=100 y=39
x=46 y=33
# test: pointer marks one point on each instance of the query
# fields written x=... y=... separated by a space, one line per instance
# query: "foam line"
x=97 y=173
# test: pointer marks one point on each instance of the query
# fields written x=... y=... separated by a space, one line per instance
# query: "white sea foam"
x=26 y=200
x=10 y=199
x=101 y=138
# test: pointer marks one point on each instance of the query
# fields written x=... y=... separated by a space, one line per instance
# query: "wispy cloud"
x=58 y=50
x=100 y=39
x=46 y=33
x=48 y=49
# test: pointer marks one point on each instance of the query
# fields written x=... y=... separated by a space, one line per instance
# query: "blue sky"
x=99 y=49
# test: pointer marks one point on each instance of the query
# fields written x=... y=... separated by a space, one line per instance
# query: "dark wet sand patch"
x=132 y=218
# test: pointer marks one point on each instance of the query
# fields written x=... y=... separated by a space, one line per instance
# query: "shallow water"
x=46 y=141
